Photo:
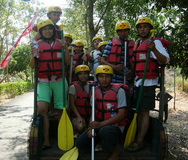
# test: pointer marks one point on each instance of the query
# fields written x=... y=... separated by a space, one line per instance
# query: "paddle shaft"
x=35 y=85
x=71 y=61
x=63 y=70
x=161 y=108
x=125 y=59
x=93 y=119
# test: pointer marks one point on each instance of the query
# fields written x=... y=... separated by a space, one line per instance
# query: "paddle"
x=73 y=153
x=65 y=129
x=131 y=133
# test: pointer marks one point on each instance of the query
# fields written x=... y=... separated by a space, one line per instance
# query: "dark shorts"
x=147 y=101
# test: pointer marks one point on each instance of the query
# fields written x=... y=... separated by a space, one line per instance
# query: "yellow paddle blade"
x=65 y=132
x=71 y=154
x=131 y=133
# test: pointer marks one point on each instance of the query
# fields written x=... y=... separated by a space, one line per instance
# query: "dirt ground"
x=177 y=123
x=177 y=127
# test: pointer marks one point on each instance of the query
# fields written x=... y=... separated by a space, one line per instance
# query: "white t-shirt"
x=95 y=54
x=153 y=82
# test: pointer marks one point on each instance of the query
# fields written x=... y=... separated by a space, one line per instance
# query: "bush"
x=182 y=85
x=13 y=89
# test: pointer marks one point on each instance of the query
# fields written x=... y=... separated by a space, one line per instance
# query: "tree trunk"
x=89 y=11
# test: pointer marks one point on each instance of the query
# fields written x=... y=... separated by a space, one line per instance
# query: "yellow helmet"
x=70 y=48
x=68 y=35
x=82 y=68
x=106 y=69
x=54 y=9
x=103 y=43
x=78 y=43
x=120 y=25
x=145 y=20
x=44 y=23
x=97 y=37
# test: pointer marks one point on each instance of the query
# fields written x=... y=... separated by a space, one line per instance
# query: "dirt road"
x=15 y=119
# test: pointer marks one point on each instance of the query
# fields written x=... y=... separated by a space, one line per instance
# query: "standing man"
x=119 y=56
x=95 y=54
x=158 y=56
x=110 y=109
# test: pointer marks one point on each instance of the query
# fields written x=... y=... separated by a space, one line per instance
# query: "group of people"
x=117 y=68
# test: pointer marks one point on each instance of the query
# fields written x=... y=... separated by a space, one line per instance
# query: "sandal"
x=136 y=146
x=44 y=147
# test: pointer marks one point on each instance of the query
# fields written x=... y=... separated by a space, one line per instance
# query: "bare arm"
x=117 y=118
x=72 y=105
x=118 y=67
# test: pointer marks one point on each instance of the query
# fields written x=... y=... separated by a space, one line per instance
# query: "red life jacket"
x=140 y=62
x=106 y=105
x=116 y=50
x=82 y=101
x=140 y=55
x=50 y=59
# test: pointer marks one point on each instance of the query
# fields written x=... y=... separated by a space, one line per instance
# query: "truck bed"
x=155 y=146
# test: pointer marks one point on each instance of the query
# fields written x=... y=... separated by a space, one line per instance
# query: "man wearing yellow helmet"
x=110 y=110
x=49 y=58
x=118 y=53
x=95 y=54
x=158 y=56
x=79 y=99
x=68 y=38
x=102 y=46
x=79 y=56
x=54 y=13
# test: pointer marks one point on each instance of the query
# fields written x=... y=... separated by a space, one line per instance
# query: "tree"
x=19 y=64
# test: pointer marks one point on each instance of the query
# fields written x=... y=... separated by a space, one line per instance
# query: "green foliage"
x=19 y=63
x=15 y=88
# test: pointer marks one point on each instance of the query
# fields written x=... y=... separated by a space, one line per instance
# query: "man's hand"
x=119 y=67
x=95 y=124
x=151 y=45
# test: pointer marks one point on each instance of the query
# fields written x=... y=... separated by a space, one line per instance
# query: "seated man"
x=110 y=110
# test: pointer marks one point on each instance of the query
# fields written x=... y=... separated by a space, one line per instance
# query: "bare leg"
x=143 y=126
x=43 y=110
